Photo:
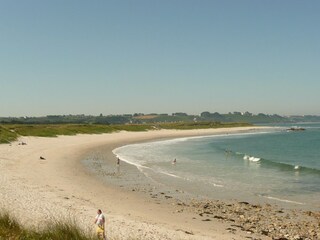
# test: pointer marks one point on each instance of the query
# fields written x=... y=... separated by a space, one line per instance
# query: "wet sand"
x=60 y=187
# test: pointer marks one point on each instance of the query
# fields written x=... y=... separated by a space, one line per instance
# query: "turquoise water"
x=274 y=165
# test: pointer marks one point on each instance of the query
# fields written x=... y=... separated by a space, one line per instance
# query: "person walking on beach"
x=100 y=222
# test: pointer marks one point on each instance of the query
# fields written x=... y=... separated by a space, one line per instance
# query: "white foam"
x=217 y=185
x=283 y=200
x=216 y=135
x=170 y=174
x=139 y=166
x=254 y=159
x=251 y=158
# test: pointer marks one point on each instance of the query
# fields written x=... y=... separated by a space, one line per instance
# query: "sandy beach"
x=59 y=186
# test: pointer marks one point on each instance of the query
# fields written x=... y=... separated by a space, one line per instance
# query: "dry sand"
x=60 y=187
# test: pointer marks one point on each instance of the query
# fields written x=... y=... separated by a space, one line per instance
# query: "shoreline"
x=254 y=199
x=62 y=187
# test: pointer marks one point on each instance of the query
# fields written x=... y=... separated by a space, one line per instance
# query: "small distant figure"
x=42 y=158
x=227 y=153
x=100 y=222
x=174 y=161
x=118 y=166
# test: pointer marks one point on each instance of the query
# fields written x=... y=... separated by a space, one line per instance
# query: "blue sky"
x=115 y=57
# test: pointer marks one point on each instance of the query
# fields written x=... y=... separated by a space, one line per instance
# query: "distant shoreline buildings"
x=141 y=118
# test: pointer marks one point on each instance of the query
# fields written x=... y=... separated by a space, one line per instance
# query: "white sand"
x=36 y=191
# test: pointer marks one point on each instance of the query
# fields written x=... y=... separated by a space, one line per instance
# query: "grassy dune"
x=7 y=136
x=10 y=132
x=201 y=125
x=11 y=229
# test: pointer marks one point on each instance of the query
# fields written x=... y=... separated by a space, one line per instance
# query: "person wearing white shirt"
x=100 y=222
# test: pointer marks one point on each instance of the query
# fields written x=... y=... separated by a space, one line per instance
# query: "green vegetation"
x=11 y=229
x=140 y=118
x=6 y=135
x=10 y=132
x=53 y=130
x=200 y=125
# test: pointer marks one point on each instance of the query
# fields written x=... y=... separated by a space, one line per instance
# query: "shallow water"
x=274 y=165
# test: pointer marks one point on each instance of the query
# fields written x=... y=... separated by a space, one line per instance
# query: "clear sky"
x=115 y=57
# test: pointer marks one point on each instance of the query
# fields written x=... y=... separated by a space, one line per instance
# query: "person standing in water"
x=174 y=161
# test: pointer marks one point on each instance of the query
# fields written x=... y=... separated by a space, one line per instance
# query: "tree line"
x=141 y=118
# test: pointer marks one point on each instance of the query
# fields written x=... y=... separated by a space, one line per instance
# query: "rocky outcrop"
x=268 y=220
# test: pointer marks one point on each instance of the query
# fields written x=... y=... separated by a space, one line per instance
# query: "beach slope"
x=44 y=179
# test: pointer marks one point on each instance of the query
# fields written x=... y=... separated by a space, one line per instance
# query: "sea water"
x=273 y=165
